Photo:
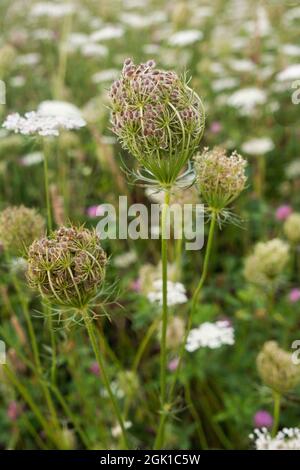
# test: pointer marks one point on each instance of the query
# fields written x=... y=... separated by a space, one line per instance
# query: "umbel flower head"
x=68 y=267
x=19 y=226
x=158 y=118
x=220 y=178
x=291 y=228
x=267 y=262
x=276 y=368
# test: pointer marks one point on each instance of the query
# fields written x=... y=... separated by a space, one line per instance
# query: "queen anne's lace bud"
x=19 y=226
x=276 y=368
x=220 y=178
x=157 y=117
x=68 y=267
x=267 y=262
x=292 y=228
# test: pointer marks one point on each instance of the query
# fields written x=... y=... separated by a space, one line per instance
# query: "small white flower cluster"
x=210 y=335
x=286 y=439
x=176 y=293
x=37 y=123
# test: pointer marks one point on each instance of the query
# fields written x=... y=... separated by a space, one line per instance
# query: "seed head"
x=19 y=226
x=276 y=368
x=220 y=178
x=68 y=267
x=157 y=117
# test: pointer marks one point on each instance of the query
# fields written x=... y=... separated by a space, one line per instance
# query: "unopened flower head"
x=157 y=117
x=266 y=264
x=286 y=439
x=19 y=227
x=68 y=267
x=276 y=368
x=35 y=123
x=220 y=178
x=291 y=228
x=210 y=335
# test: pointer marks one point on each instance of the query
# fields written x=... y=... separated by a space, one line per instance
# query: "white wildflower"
x=108 y=75
x=32 y=158
x=117 y=431
x=36 y=123
x=32 y=58
x=18 y=81
x=286 y=439
x=247 y=99
x=293 y=169
x=211 y=335
x=140 y=21
x=107 y=32
x=58 y=108
x=224 y=84
x=92 y=49
x=290 y=49
x=52 y=10
x=176 y=293
x=242 y=65
x=184 y=38
x=258 y=146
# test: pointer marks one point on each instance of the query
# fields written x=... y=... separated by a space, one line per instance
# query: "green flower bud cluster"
x=291 y=228
x=19 y=226
x=267 y=262
x=157 y=117
x=68 y=267
x=276 y=368
x=220 y=178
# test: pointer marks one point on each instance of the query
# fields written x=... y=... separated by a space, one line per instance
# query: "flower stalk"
x=98 y=355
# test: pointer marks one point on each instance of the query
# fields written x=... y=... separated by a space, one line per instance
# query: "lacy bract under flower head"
x=210 y=335
x=220 y=178
x=157 y=117
x=276 y=368
x=286 y=439
x=37 y=123
x=67 y=267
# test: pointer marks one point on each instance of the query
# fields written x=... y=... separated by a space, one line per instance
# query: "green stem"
x=91 y=331
x=53 y=344
x=276 y=415
x=47 y=191
x=137 y=359
x=72 y=417
x=179 y=244
x=160 y=433
x=35 y=350
x=163 y=347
